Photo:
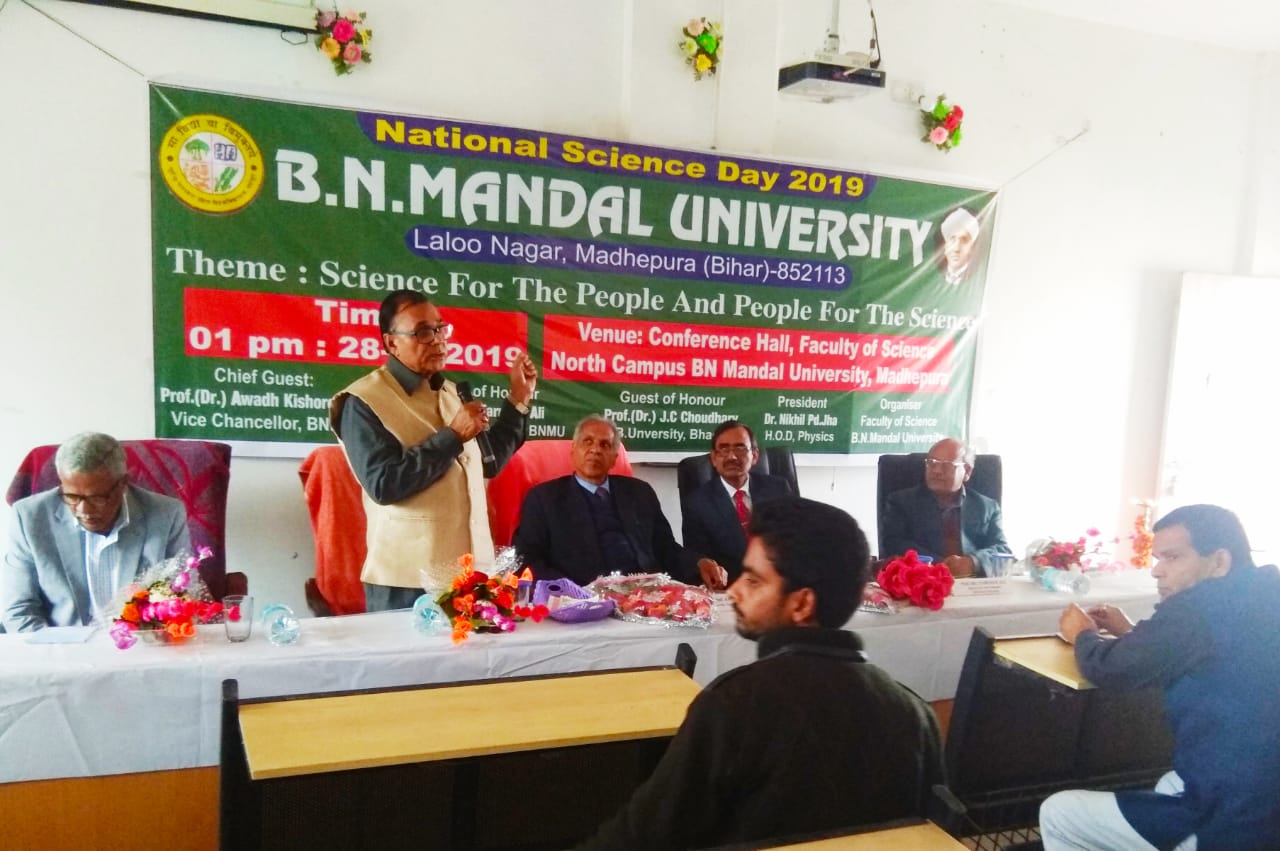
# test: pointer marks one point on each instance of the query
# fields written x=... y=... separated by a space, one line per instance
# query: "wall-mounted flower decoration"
x=701 y=46
x=941 y=124
x=344 y=39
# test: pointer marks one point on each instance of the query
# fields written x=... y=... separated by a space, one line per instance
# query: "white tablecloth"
x=90 y=709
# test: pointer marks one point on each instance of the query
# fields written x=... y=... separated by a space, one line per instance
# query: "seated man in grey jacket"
x=942 y=519
x=73 y=548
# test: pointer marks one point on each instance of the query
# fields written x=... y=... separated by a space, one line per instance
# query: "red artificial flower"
x=957 y=113
x=925 y=585
x=343 y=30
x=539 y=612
x=952 y=121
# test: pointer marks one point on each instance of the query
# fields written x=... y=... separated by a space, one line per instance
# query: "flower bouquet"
x=344 y=39
x=941 y=124
x=1084 y=553
x=701 y=43
x=1142 y=537
x=655 y=598
x=908 y=578
x=165 y=605
x=479 y=602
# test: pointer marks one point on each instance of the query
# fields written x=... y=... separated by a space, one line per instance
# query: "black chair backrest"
x=898 y=472
x=696 y=470
x=1016 y=736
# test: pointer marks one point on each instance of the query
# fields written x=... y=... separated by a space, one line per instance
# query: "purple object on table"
x=588 y=610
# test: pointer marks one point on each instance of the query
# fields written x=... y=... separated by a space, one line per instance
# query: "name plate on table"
x=979 y=585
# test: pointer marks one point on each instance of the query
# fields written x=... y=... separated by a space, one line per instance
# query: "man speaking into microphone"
x=414 y=442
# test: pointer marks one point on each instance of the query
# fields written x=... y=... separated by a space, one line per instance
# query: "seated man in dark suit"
x=715 y=515
x=591 y=524
x=942 y=519
x=73 y=548
x=810 y=737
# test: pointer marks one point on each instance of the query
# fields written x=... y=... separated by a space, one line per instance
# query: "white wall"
x=1092 y=237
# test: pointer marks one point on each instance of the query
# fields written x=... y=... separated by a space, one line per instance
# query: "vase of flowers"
x=165 y=604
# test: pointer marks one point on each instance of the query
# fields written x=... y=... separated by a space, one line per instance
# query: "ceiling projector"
x=832 y=75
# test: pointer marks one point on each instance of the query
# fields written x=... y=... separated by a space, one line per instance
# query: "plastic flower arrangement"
x=924 y=585
x=344 y=39
x=167 y=602
x=1083 y=553
x=1142 y=537
x=701 y=43
x=942 y=125
x=478 y=602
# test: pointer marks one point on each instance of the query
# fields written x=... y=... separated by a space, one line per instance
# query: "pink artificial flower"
x=122 y=635
x=180 y=582
x=695 y=27
x=1092 y=532
x=352 y=15
x=233 y=613
x=324 y=20
x=204 y=553
x=938 y=135
x=351 y=53
x=343 y=30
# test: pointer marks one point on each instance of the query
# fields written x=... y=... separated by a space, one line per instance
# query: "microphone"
x=482 y=440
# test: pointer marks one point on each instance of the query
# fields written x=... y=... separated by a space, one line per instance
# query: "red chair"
x=194 y=471
x=337 y=519
x=535 y=462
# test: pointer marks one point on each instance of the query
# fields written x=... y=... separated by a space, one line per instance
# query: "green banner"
x=833 y=311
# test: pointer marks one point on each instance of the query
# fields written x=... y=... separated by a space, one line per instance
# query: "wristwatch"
x=519 y=406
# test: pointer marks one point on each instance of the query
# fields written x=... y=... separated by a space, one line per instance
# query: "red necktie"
x=740 y=503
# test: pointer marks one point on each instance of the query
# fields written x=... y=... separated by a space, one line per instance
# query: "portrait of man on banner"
x=962 y=247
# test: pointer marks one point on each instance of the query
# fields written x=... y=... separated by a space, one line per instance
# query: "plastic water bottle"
x=428 y=618
x=1069 y=581
x=281 y=626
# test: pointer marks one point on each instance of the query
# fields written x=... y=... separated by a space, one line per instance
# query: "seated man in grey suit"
x=715 y=515
x=591 y=524
x=942 y=519
x=73 y=548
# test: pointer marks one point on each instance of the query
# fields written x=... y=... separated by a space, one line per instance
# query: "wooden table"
x=450 y=766
x=1047 y=655
x=286 y=738
x=917 y=837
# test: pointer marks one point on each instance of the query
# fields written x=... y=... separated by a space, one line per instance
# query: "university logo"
x=211 y=164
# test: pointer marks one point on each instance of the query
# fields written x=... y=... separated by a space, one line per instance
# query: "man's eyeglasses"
x=738 y=450
x=938 y=464
x=427 y=333
x=94 y=500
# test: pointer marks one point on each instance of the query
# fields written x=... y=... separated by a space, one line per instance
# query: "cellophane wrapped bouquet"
x=655 y=598
x=165 y=604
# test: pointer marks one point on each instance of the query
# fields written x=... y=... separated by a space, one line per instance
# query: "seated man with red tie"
x=716 y=514
x=943 y=519
x=591 y=524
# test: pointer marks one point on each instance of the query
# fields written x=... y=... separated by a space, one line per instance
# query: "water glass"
x=280 y=623
x=237 y=615
x=1002 y=563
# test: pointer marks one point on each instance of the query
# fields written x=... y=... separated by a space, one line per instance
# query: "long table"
x=90 y=709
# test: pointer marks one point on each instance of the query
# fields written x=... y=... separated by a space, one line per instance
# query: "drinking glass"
x=237 y=615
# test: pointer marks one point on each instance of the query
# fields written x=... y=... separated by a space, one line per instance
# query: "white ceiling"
x=1242 y=24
